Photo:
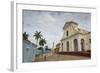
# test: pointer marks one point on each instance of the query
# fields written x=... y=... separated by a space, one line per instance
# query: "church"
x=75 y=39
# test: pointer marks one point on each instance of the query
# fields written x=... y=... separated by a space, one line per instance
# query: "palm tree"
x=42 y=42
x=25 y=36
x=37 y=36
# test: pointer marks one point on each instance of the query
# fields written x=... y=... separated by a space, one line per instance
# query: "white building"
x=74 y=38
x=29 y=51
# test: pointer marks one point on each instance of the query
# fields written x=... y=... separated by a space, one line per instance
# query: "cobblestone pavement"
x=58 y=57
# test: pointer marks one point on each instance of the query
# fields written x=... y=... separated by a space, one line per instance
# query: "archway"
x=67 y=44
x=82 y=44
x=75 y=45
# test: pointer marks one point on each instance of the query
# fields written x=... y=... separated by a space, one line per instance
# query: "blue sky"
x=51 y=23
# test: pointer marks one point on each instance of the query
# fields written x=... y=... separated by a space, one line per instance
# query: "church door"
x=82 y=44
x=75 y=45
x=67 y=46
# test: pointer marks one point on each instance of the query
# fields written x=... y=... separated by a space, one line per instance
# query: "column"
x=79 y=44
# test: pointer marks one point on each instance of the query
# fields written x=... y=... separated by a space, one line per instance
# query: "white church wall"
x=73 y=34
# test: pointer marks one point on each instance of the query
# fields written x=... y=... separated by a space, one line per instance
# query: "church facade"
x=75 y=39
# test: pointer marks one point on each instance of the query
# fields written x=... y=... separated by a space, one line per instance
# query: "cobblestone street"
x=58 y=57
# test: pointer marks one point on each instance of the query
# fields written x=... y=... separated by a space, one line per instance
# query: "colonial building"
x=74 y=38
x=29 y=51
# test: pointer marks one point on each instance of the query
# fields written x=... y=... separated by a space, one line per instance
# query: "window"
x=66 y=33
x=89 y=40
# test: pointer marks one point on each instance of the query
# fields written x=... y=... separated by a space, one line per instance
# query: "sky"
x=50 y=23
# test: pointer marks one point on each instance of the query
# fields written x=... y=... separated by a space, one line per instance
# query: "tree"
x=42 y=42
x=25 y=36
x=37 y=36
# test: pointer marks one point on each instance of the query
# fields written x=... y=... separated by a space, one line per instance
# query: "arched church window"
x=89 y=40
x=67 y=33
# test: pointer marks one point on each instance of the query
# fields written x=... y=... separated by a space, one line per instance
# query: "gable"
x=68 y=24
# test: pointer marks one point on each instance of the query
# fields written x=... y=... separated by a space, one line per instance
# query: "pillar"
x=79 y=45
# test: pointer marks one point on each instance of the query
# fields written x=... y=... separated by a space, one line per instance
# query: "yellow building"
x=74 y=38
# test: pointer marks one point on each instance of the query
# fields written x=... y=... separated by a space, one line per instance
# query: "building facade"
x=74 y=38
x=29 y=51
